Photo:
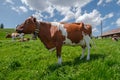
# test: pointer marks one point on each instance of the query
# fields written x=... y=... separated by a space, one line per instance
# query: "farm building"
x=112 y=33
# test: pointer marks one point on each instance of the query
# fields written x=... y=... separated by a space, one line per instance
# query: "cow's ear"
x=34 y=19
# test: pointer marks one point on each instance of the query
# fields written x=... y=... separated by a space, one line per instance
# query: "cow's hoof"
x=88 y=58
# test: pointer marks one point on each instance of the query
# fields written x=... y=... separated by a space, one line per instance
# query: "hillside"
x=32 y=61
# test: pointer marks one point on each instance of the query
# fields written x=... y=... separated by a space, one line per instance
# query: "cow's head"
x=28 y=26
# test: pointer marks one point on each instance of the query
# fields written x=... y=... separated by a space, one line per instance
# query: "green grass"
x=32 y=61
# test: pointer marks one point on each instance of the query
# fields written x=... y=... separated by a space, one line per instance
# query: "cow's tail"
x=92 y=42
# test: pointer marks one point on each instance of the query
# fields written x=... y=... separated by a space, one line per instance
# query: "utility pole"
x=101 y=28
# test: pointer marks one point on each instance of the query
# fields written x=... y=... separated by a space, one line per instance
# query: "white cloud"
x=110 y=15
x=69 y=15
x=92 y=18
x=118 y=2
x=9 y=1
x=23 y=9
x=108 y=1
x=78 y=13
x=19 y=9
x=68 y=3
x=50 y=10
x=118 y=22
x=24 y=2
x=62 y=6
x=106 y=28
x=36 y=4
x=38 y=15
x=95 y=29
x=100 y=2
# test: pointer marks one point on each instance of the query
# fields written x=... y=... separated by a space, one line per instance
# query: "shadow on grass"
x=76 y=61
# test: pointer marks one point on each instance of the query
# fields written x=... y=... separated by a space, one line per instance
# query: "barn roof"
x=114 y=31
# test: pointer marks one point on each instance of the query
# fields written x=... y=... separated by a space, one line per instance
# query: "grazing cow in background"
x=54 y=35
x=114 y=39
x=15 y=35
x=8 y=35
x=24 y=39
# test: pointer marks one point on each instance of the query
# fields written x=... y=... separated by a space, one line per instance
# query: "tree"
x=2 y=26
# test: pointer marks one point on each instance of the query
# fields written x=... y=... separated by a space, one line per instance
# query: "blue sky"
x=13 y=12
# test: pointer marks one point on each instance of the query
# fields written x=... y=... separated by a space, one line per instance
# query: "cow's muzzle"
x=19 y=31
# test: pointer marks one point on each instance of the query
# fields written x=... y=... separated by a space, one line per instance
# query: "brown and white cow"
x=15 y=35
x=24 y=40
x=54 y=35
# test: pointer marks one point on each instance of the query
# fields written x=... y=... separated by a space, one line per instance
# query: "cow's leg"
x=88 y=56
x=58 y=51
x=83 y=51
x=87 y=40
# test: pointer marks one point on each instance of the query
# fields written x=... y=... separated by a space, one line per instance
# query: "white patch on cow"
x=68 y=41
x=82 y=42
x=64 y=31
x=52 y=49
x=60 y=27
x=59 y=60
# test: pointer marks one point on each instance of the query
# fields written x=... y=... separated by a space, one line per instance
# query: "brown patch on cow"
x=74 y=32
x=48 y=40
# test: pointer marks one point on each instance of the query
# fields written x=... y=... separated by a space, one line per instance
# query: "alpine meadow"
x=32 y=61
